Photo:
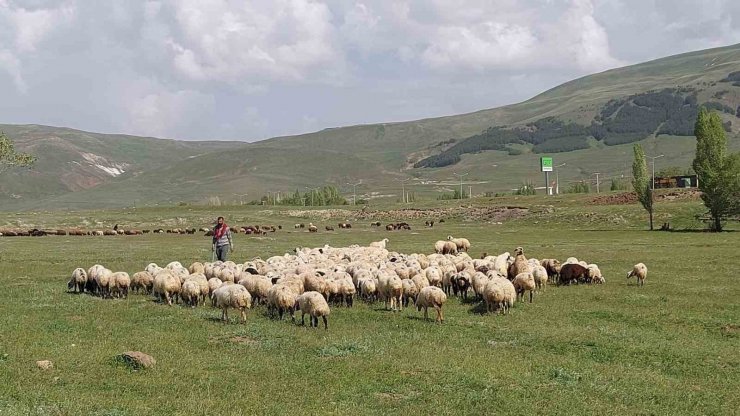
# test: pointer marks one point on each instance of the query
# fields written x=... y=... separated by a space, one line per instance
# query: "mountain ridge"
x=168 y=171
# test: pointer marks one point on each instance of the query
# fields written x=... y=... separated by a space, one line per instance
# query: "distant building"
x=681 y=181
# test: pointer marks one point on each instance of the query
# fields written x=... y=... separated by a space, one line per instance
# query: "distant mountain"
x=588 y=123
x=70 y=160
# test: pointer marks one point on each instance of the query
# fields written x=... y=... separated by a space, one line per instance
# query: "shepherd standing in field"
x=222 y=243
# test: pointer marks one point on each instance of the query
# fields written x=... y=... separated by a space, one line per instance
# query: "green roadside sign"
x=546 y=164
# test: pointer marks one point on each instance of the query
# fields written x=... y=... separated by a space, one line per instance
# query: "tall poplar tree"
x=641 y=182
x=718 y=173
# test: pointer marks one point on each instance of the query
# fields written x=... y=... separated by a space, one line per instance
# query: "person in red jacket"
x=222 y=242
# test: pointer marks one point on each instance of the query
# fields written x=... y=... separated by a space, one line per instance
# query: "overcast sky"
x=246 y=70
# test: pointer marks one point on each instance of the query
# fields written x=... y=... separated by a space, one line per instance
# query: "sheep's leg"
x=530 y=296
x=326 y=323
x=167 y=298
x=244 y=315
x=303 y=314
x=280 y=313
x=292 y=314
x=426 y=316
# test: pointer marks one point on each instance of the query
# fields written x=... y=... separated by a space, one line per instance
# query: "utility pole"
x=470 y=191
x=557 y=179
x=654 y=157
x=403 y=189
x=597 y=181
x=461 y=176
x=354 y=191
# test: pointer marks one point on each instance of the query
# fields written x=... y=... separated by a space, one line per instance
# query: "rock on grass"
x=137 y=360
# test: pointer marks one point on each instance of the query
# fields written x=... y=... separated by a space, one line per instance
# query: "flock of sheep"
x=309 y=280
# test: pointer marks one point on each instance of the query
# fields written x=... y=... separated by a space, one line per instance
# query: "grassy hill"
x=161 y=171
x=70 y=160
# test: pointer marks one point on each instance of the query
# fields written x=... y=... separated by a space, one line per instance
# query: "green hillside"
x=71 y=160
x=590 y=122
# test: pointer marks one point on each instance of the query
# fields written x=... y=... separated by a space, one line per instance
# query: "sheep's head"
x=449 y=237
x=518 y=251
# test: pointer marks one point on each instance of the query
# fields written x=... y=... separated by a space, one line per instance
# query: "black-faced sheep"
x=313 y=304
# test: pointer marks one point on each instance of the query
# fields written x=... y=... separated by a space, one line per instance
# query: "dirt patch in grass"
x=626 y=198
x=730 y=330
x=464 y=212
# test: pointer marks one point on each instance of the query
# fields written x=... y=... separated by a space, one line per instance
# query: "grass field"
x=670 y=347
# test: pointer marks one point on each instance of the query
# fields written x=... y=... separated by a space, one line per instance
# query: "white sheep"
x=594 y=274
x=281 y=298
x=213 y=284
x=313 y=304
x=78 y=280
x=190 y=293
x=232 y=296
x=523 y=282
x=499 y=293
x=639 y=270
x=368 y=289
x=379 y=244
x=540 y=276
x=166 y=286
x=410 y=291
x=142 y=281
x=119 y=284
x=431 y=296
x=461 y=244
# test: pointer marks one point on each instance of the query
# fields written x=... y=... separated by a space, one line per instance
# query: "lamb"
x=639 y=271
x=379 y=244
x=431 y=296
x=166 y=286
x=523 y=282
x=142 y=281
x=281 y=298
x=232 y=296
x=313 y=304
x=119 y=284
x=461 y=244
x=78 y=280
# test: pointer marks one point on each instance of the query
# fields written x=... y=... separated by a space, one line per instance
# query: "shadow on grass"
x=478 y=308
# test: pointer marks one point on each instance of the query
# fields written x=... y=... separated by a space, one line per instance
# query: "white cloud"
x=12 y=66
x=284 y=40
x=247 y=69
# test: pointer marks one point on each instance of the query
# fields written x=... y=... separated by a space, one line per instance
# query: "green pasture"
x=670 y=347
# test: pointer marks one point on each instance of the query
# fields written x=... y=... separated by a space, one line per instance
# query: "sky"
x=249 y=70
